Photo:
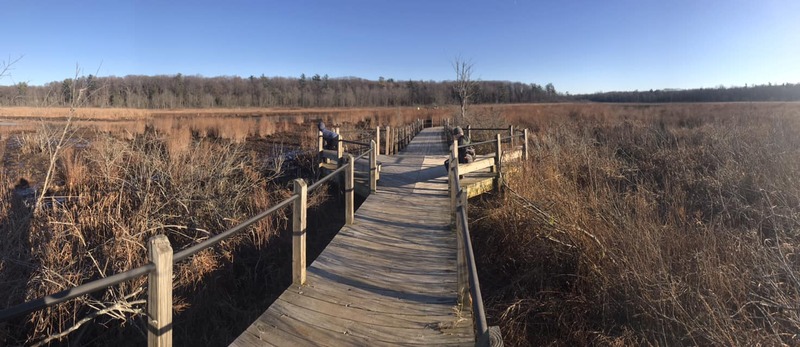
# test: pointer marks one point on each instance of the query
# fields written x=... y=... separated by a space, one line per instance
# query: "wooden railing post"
x=340 y=155
x=511 y=133
x=499 y=163
x=299 y=232
x=396 y=140
x=339 y=149
x=388 y=137
x=321 y=148
x=454 y=169
x=373 y=167
x=461 y=259
x=400 y=138
x=340 y=145
x=159 y=292
x=469 y=132
x=525 y=144
x=378 y=140
x=349 y=198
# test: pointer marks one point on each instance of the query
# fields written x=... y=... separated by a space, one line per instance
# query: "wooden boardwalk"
x=390 y=278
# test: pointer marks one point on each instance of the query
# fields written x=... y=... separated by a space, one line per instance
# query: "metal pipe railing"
x=472 y=271
x=362 y=155
x=69 y=294
x=326 y=178
x=355 y=142
x=188 y=252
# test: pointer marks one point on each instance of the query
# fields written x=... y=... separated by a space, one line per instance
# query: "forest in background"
x=181 y=91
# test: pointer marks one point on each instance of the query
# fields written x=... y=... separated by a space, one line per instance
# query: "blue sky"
x=579 y=46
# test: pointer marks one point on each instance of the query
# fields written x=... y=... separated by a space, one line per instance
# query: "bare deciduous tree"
x=465 y=86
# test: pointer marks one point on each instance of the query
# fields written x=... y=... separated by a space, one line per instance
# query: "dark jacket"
x=465 y=154
x=327 y=135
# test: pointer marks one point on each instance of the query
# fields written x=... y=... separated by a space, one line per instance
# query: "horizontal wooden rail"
x=476 y=166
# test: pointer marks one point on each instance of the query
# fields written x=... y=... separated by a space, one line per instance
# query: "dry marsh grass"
x=111 y=197
x=117 y=183
x=648 y=225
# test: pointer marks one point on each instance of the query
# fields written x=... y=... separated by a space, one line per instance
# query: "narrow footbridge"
x=400 y=272
x=390 y=277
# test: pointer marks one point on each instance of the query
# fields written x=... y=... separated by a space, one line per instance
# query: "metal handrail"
x=472 y=270
x=74 y=292
x=326 y=178
x=484 y=142
x=188 y=252
x=364 y=154
x=492 y=129
x=355 y=142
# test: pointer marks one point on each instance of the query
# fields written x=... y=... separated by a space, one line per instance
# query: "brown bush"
x=648 y=225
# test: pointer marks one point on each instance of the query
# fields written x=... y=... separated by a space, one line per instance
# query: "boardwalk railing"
x=468 y=283
x=162 y=259
x=388 y=140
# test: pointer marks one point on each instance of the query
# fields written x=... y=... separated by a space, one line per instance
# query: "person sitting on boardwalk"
x=465 y=154
x=330 y=138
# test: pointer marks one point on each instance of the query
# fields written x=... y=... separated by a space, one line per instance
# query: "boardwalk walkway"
x=390 y=278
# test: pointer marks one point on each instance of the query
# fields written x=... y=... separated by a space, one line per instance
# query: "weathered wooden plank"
x=392 y=304
x=464 y=169
x=368 y=306
x=425 y=334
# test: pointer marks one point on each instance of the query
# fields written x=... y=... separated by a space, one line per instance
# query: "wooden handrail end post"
x=499 y=163
x=349 y=198
x=299 y=232
x=159 y=292
x=373 y=167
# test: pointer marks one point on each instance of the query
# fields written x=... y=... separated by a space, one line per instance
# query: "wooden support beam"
x=349 y=198
x=454 y=169
x=461 y=260
x=525 y=144
x=498 y=159
x=396 y=140
x=159 y=292
x=299 y=232
x=388 y=139
x=321 y=144
x=477 y=165
x=373 y=167
x=378 y=140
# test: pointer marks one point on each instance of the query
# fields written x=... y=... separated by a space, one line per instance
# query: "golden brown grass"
x=113 y=196
x=648 y=225
x=117 y=183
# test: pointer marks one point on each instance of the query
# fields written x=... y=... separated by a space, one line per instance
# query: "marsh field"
x=631 y=224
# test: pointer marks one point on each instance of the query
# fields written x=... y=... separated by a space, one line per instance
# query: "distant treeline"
x=179 y=91
x=768 y=92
